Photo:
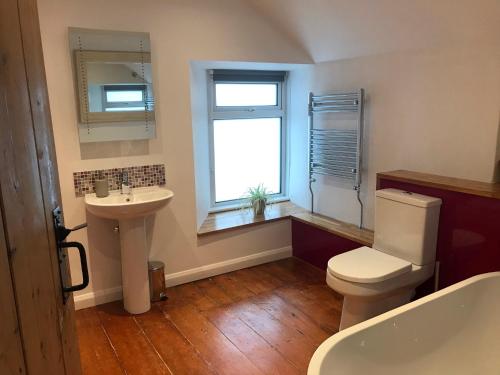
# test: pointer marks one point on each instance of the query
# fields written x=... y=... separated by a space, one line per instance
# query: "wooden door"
x=37 y=334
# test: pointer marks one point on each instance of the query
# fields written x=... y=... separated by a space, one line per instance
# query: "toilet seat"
x=367 y=265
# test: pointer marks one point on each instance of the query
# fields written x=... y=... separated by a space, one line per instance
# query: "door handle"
x=83 y=265
x=61 y=233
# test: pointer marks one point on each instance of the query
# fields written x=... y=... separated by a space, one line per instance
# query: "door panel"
x=30 y=190
x=42 y=123
x=11 y=350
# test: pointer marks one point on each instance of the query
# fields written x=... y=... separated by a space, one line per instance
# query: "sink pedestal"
x=131 y=210
x=134 y=253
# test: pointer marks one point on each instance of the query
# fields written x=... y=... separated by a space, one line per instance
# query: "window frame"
x=247 y=112
x=131 y=104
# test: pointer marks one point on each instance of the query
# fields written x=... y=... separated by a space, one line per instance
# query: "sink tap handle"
x=124 y=178
x=124 y=183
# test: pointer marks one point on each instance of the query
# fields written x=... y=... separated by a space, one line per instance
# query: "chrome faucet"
x=124 y=184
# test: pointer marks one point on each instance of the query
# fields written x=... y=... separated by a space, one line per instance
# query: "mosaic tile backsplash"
x=144 y=175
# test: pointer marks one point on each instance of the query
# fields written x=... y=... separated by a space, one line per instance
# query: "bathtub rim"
x=321 y=352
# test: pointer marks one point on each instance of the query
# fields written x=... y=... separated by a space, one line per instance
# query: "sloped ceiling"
x=339 y=29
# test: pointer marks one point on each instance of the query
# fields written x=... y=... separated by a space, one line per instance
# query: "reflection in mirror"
x=114 y=85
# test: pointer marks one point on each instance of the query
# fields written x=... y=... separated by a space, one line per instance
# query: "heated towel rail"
x=336 y=152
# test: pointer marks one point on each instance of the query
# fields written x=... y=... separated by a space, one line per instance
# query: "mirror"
x=113 y=84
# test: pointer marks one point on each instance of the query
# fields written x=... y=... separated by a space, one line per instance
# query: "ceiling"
x=338 y=29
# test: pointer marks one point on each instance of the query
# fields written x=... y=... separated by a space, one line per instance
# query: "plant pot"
x=259 y=207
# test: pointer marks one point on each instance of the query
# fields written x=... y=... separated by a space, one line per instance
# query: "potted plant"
x=257 y=198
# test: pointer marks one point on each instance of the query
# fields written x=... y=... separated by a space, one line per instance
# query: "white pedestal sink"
x=131 y=210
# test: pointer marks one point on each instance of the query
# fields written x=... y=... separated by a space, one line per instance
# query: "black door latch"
x=61 y=233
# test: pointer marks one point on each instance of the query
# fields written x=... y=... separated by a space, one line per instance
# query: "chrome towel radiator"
x=336 y=152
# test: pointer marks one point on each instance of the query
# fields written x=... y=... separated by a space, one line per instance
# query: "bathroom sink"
x=131 y=210
x=142 y=202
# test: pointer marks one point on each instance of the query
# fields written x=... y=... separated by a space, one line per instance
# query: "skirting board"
x=113 y=294
x=227 y=266
x=90 y=299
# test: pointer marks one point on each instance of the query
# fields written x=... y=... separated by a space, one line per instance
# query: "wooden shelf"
x=484 y=189
x=339 y=228
x=230 y=220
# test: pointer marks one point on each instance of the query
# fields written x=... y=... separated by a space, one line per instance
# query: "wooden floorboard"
x=327 y=317
x=213 y=291
x=267 y=319
x=233 y=287
x=212 y=344
x=288 y=314
x=173 y=347
x=191 y=294
x=292 y=344
x=97 y=354
x=250 y=343
x=133 y=349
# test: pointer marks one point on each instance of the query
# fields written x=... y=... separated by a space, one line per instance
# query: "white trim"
x=90 y=299
x=213 y=269
x=248 y=112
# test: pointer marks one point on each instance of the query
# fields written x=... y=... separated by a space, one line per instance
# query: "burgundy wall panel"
x=317 y=246
x=469 y=232
x=468 y=236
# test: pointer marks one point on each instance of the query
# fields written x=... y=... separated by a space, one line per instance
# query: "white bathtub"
x=453 y=331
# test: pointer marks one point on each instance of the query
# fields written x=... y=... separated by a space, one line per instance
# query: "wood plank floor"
x=267 y=319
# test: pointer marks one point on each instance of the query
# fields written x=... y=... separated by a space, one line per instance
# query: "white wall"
x=341 y=29
x=299 y=87
x=180 y=31
x=433 y=111
x=199 y=108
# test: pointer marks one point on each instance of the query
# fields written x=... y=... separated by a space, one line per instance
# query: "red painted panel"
x=468 y=236
x=317 y=246
x=469 y=232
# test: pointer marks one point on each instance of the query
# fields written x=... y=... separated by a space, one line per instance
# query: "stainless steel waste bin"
x=157 y=281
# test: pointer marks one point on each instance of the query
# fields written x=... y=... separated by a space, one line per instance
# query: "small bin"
x=157 y=281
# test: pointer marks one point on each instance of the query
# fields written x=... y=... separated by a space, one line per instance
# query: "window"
x=247 y=133
x=124 y=98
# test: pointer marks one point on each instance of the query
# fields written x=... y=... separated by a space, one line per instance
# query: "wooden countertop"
x=484 y=189
x=223 y=221
x=349 y=231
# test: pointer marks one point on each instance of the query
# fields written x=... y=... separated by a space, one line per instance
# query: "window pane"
x=124 y=96
x=247 y=152
x=245 y=94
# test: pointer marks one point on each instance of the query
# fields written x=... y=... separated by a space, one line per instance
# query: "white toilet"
x=376 y=280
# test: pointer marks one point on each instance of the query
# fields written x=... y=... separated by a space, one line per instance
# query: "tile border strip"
x=139 y=176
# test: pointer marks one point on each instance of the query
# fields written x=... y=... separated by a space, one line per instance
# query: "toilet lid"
x=366 y=265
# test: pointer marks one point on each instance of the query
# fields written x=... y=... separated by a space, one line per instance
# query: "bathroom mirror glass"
x=114 y=85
